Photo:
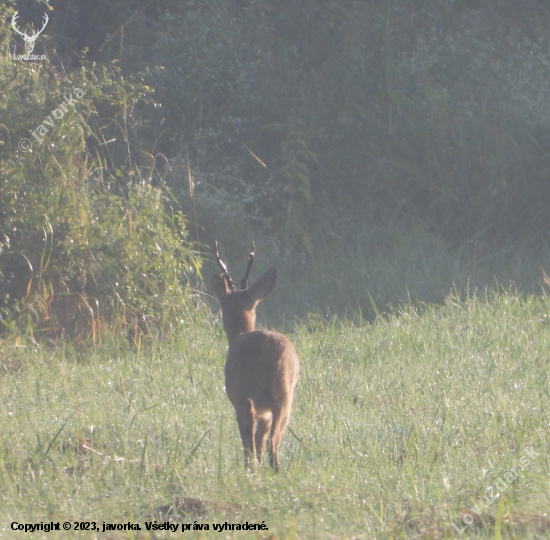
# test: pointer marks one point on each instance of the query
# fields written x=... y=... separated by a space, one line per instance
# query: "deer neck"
x=238 y=323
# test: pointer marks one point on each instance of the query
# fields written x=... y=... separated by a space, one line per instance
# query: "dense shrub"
x=87 y=249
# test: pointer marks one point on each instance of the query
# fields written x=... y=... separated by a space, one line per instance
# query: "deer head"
x=29 y=40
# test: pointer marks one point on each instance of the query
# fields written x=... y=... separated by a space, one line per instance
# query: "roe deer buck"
x=261 y=370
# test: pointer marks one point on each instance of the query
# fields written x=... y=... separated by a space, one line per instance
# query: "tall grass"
x=397 y=425
x=360 y=271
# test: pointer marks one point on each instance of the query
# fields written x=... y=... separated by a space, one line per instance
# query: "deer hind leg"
x=263 y=426
x=246 y=418
x=281 y=416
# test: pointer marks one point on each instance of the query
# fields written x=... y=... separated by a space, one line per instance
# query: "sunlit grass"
x=397 y=425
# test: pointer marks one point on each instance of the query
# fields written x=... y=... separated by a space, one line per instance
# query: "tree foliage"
x=304 y=121
x=89 y=247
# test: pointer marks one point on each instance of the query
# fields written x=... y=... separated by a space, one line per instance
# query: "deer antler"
x=46 y=19
x=222 y=265
x=13 y=21
x=244 y=281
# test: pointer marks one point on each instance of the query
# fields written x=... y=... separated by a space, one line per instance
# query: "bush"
x=86 y=250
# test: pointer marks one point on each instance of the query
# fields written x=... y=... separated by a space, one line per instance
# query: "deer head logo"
x=29 y=40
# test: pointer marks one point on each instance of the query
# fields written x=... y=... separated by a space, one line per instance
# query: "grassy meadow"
x=400 y=428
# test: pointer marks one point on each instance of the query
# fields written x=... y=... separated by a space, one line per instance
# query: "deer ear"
x=263 y=286
x=221 y=288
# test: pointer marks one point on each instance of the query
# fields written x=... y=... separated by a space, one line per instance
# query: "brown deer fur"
x=261 y=370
